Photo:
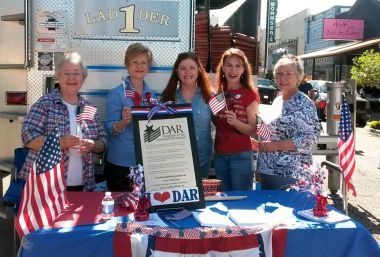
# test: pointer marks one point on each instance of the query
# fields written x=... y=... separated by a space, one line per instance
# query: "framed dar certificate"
x=166 y=147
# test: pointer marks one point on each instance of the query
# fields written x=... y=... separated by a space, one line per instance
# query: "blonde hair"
x=136 y=49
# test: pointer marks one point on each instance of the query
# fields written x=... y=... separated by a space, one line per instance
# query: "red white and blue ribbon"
x=158 y=107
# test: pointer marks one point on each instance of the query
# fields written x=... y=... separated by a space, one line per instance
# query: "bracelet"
x=115 y=129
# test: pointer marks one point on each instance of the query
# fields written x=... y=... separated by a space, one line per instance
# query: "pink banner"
x=345 y=29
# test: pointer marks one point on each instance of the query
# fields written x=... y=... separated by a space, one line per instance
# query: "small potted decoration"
x=313 y=182
x=137 y=177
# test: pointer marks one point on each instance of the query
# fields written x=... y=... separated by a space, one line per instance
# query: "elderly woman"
x=189 y=84
x=236 y=123
x=134 y=91
x=294 y=127
x=78 y=140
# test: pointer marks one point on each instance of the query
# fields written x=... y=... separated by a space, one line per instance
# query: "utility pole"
x=266 y=42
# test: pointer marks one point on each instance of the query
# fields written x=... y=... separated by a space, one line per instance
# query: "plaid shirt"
x=48 y=112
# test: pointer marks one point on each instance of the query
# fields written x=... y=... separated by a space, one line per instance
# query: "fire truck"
x=34 y=35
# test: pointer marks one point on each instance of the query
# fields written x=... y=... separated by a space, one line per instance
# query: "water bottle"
x=107 y=206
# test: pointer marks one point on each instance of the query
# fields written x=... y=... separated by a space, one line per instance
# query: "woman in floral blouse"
x=294 y=128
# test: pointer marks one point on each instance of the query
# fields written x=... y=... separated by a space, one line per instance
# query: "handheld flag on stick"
x=43 y=197
x=217 y=103
x=87 y=114
x=262 y=129
x=129 y=89
x=346 y=146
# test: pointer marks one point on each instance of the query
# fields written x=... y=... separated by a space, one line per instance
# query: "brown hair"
x=202 y=81
x=136 y=49
x=246 y=78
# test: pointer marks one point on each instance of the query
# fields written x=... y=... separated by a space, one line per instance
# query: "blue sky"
x=286 y=8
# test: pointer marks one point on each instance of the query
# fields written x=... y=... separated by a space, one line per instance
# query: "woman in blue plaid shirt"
x=79 y=138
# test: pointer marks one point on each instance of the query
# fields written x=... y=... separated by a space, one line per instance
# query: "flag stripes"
x=217 y=103
x=263 y=129
x=43 y=197
x=346 y=146
x=87 y=114
x=136 y=240
x=183 y=214
x=129 y=89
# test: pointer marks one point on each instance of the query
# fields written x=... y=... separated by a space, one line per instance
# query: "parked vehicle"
x=267 y=90
x=362 y=105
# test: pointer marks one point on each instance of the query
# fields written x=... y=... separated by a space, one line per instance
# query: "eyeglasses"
x=282 y=75
x=138 y=64
x=75 y=75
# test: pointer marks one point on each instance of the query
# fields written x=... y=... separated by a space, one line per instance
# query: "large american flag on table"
x=346 y=146
x=43 y=197
x=196 y=242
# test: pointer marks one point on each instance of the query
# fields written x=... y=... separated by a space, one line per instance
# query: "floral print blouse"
x=295 y=119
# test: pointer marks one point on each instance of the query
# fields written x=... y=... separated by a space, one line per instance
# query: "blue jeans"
x=235 y=171
x=274 y=182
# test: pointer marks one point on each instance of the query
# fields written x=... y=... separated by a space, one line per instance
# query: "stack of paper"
x=212 y=219
x=250 y=217
x=332 y=217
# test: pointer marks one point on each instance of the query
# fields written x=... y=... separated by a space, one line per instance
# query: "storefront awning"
x=340 y=49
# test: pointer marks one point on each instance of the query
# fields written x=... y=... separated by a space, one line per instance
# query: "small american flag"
x=346 y=146
x=43 y=197
x=183 y=214
x=217 y=103
x=87 y=114
x=129 y=89
x=128 y=200
x=262 y=129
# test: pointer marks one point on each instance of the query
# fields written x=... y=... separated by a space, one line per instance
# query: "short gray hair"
x=72 y=57
x=290 y=59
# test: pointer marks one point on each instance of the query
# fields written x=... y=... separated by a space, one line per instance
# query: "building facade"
x=332 y=59
x=290 y=39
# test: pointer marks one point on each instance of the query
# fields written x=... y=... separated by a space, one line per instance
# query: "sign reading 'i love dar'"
x=174 y=196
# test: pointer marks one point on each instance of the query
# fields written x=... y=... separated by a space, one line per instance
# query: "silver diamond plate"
x=98 y=51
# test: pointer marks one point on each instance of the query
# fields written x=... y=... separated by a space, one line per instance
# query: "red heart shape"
x=161 y=197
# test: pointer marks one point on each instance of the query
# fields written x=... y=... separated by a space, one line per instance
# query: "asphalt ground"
x=364 y=208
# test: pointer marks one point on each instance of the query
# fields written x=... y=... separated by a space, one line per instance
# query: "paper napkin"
x=212 y=219
x=332 y=217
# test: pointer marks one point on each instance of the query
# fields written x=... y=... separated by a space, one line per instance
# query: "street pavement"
x=366 y=178
x=364 y=208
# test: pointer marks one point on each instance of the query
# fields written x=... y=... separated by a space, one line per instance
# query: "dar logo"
x=151 y=134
